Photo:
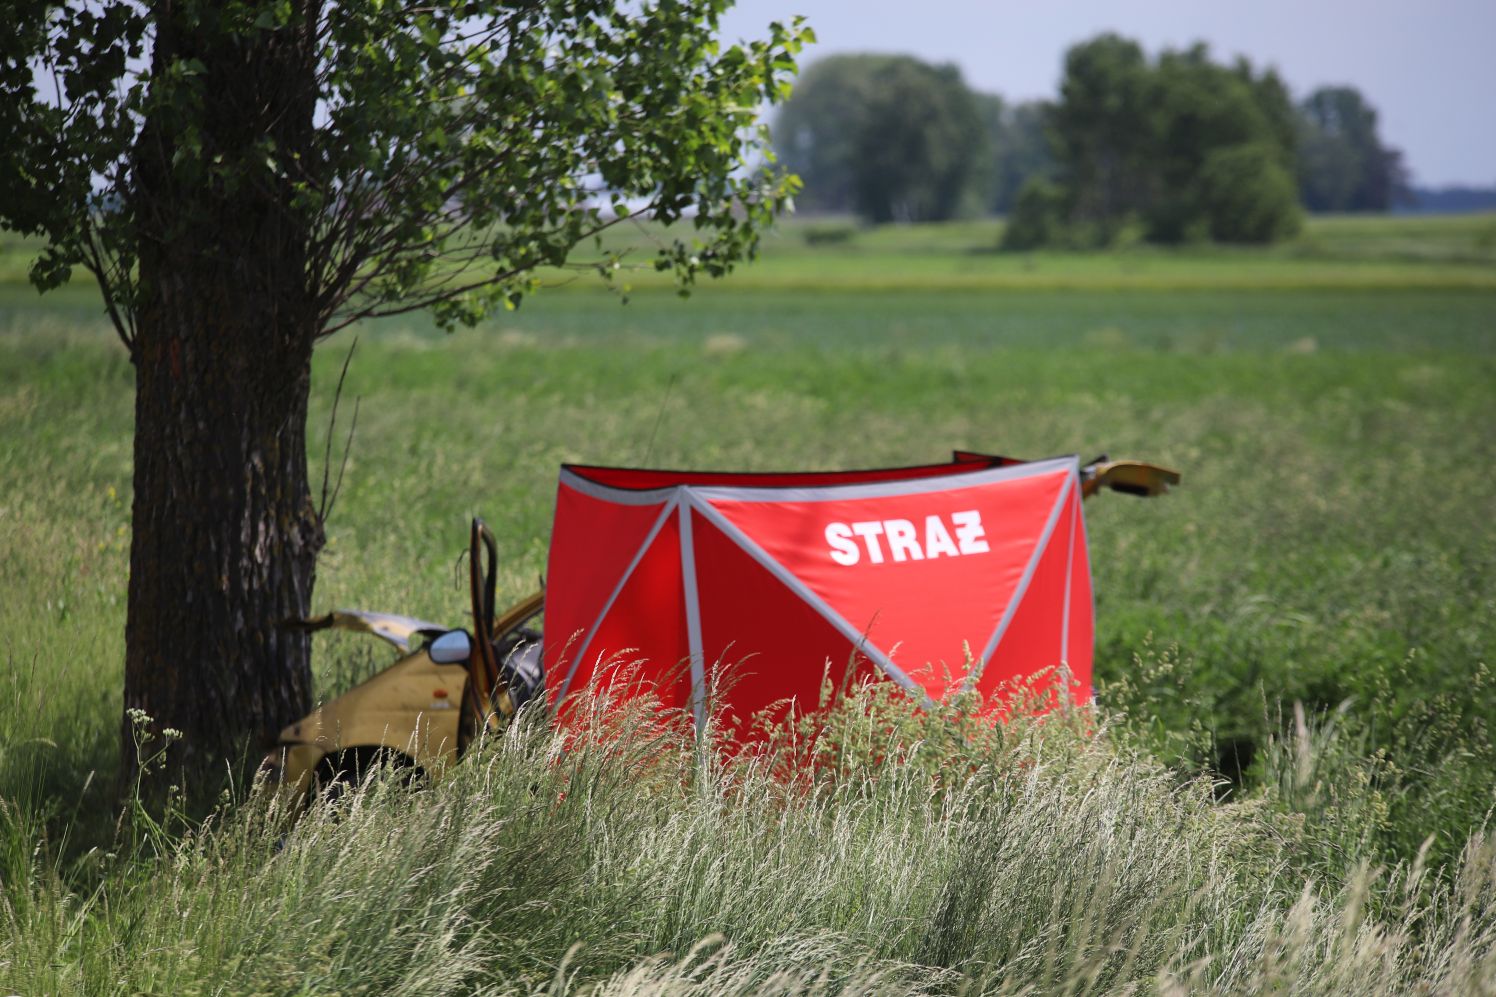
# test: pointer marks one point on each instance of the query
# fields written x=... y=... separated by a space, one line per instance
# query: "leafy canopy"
x=1177 y=148
x=887 y=136
x=456 y=145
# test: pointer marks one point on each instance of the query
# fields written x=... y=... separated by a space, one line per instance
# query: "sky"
x=1428 y=67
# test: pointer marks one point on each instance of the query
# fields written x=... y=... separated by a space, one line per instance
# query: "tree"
x=245 y=178
x=1199 y=109
x=1020 y=147
x=813 y=133
x=1343 y=165
x=1145 y=144
x=889 y=137
x=1101 y=134
x=919 y=145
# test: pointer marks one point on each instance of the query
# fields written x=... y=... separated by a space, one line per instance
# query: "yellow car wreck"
x=420 y=713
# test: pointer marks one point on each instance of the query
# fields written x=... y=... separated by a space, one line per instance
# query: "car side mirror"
x=451 y=648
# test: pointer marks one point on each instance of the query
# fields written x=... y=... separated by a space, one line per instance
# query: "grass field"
x=1312 y=615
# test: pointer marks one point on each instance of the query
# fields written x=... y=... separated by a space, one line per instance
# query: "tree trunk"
x=225 y=534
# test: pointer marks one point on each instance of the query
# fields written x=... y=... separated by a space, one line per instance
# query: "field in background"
x=1330 y=403
x=1351 y=253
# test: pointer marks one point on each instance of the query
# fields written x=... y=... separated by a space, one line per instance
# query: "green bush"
x=1247 y=195
x=829 y=234
x=1038 y=218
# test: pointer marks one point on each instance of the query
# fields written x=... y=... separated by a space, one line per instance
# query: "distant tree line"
x=1451 y=199
x=1170 y=149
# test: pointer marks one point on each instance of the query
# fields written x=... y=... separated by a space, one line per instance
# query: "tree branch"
x=326 y=502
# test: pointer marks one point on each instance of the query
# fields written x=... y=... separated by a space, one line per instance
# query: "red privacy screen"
x=742 y=590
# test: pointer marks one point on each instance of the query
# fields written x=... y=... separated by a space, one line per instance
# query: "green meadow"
x=1285 y=783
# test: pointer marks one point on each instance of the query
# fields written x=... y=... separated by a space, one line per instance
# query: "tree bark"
x=225 y=533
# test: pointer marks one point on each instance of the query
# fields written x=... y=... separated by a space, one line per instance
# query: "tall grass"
x=612 y=858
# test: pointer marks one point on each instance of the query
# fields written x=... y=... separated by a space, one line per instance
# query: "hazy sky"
x=1428 y=67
